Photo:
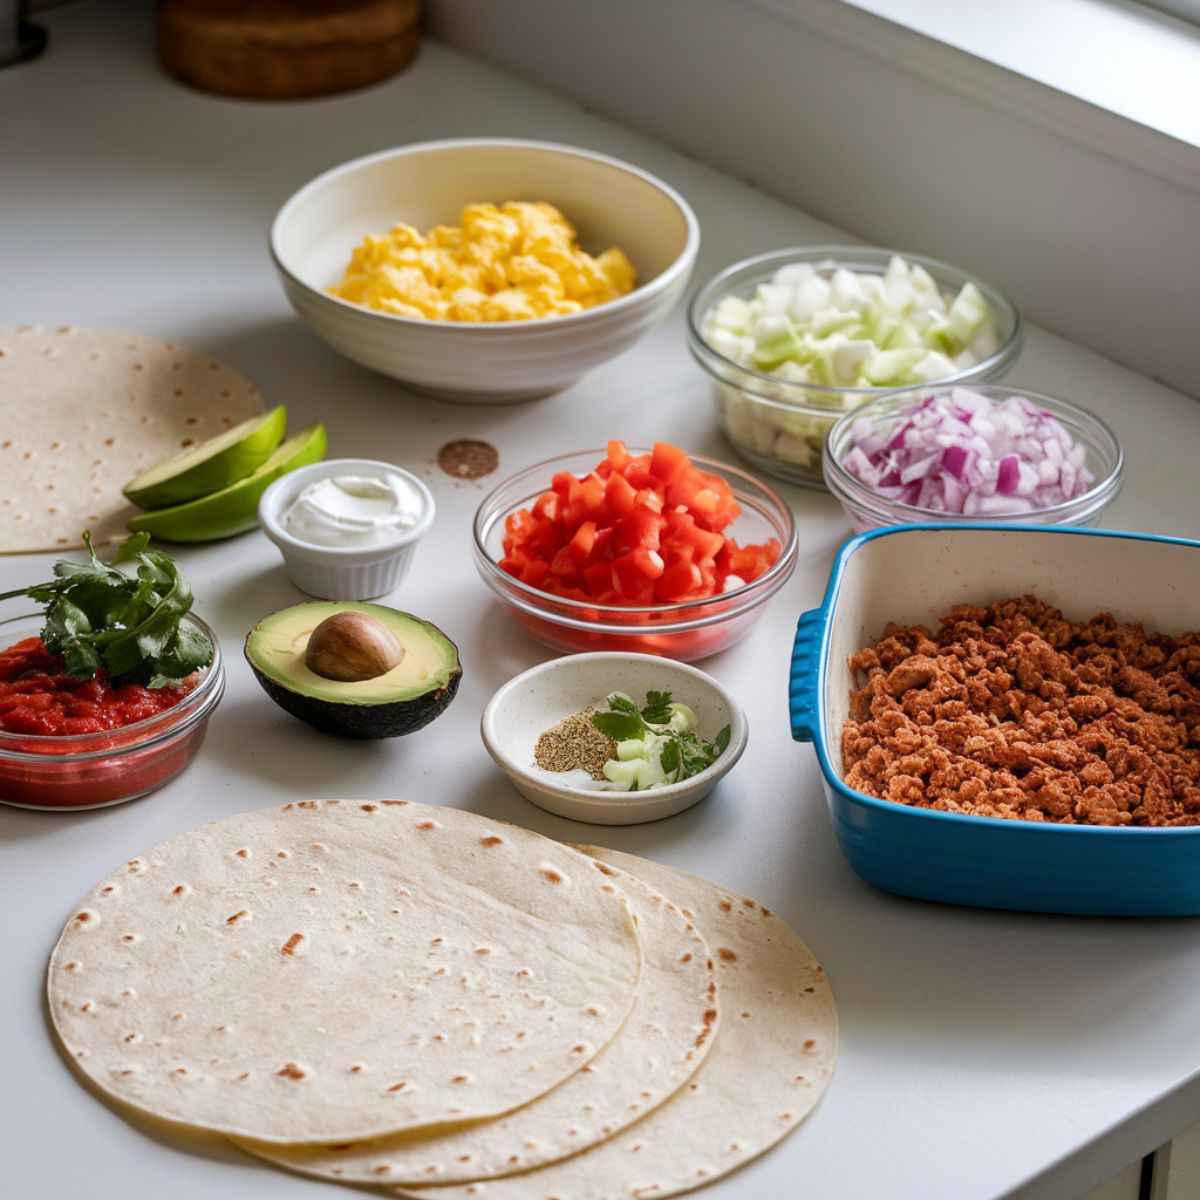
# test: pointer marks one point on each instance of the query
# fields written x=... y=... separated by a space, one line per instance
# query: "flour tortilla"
x=770 y=1061
x=335 y=970
x=82 y=411
x=664 y=1039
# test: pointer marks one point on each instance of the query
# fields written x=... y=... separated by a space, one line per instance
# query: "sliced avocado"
x=398 y=701
x=234 y=509
x=210 y=466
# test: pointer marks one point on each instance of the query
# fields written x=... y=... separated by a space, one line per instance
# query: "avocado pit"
x=351 y=647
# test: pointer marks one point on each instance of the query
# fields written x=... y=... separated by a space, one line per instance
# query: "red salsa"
x=37 y=697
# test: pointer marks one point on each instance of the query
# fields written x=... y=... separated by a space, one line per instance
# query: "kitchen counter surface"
x=984 y=1054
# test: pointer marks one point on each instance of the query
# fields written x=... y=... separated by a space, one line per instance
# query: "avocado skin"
x=363 y=721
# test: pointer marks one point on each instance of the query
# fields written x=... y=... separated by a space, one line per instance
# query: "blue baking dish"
x=912 y=574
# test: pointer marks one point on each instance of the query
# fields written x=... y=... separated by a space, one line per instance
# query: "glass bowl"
x=780 y=425
x=866 y=509
x=686 y=630
x=93 y=770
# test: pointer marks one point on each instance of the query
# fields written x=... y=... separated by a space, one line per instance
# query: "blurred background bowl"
x=687 y=630
x=609 y=202
x=867 y=509
x=780 y=425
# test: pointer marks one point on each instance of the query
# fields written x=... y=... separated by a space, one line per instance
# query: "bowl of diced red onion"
x=975 y=454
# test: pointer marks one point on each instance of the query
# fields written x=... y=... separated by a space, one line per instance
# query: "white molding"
x=1100 y=129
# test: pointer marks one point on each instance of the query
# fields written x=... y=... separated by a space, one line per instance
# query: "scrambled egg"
x=513 y=262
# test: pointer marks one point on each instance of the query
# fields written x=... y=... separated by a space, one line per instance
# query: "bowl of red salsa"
x=650 y=551
x=68 y=743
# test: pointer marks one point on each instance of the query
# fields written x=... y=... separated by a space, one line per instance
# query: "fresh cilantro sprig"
x=683 y=754
x=131 y=625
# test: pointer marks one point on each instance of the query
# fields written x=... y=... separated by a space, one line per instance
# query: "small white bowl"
x=342 y=572
x=609 y=202
x=534 y=701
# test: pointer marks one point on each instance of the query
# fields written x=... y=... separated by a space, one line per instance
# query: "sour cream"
x=354 y=510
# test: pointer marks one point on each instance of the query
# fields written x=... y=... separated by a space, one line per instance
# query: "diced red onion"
x=966 y=453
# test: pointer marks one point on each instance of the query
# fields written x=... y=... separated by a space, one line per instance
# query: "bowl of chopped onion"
x=793 y=339
x=972 y=453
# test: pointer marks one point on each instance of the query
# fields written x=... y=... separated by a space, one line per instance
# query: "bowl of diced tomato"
x=651 y=551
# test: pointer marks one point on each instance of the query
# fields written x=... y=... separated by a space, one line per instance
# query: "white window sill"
x=1110 y=74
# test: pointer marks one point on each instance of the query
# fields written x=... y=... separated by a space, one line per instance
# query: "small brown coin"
x=468 y=459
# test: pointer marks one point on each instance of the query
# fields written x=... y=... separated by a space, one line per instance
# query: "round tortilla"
x=770 y=1062
x=664 y=1039
x=82 y=411
x=335 y=970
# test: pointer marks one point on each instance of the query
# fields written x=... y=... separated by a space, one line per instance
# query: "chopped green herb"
x=666 y=730
x=98 y=616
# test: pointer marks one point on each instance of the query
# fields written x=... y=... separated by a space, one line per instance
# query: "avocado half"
x=401 y=701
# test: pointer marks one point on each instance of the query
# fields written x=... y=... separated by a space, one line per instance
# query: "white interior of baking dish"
x=915 y=576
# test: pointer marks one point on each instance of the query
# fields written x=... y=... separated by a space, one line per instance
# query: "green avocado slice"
x=210 y=466
x=233 y=509
x=406 y=698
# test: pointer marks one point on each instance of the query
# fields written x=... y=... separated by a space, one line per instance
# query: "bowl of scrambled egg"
x=484 y=271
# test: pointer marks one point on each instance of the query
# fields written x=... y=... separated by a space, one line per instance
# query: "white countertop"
x=983 y=1054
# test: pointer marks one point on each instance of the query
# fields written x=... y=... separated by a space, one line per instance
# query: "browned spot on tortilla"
x=710 y=1015
x=243 y=1075
x=178 y=890
x=426 y=825
x=607 y=887
x=463 y=1158
x=394 y=803
x=810 y=990
x=762 y=908
x=586 y=1068
x=603 y=868
x=289 y=947
x=491 y=841
x=725 y=954
x=339 y=1146
x=551 y=874
x=382 y=1169
x=181 y=1070
x=237 y=916
x=482 y=950
x=241 y=853
x=578 y=1049
x=799 y=1079
x=370 y=808
x=83 y=917
x=354 y=1070
x=809 y=1043
x=686 y=958
x=786 y=1117
x=726 y=906
x=290 y=1071
x=459 y=1078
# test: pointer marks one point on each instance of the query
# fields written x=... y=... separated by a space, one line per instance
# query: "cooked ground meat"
x=1010 y=710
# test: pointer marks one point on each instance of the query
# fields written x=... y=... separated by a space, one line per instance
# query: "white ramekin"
x=342 y=572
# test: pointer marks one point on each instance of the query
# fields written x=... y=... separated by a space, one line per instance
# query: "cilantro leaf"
x=669 y=758
x=98 y=616
x=658 y=708
x=620 y=726
x=619 y=702
x=722 y=741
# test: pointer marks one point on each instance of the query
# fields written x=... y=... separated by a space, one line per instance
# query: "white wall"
x=1101 y=251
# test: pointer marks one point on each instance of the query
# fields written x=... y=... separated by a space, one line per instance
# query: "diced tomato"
x=618 y=457
x=668 y=463
x=635 y=531
x=640 y=526
x=620 y=495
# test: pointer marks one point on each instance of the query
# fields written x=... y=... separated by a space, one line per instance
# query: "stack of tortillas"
x=419 y=998
x=82 y=411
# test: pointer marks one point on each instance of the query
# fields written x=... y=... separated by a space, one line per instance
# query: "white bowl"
x=609 y=202
x=342 y=572
x=539 y=698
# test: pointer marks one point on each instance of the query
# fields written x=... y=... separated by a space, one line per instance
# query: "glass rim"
x=846 y=487
x=198 y=703
x=485 y=520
